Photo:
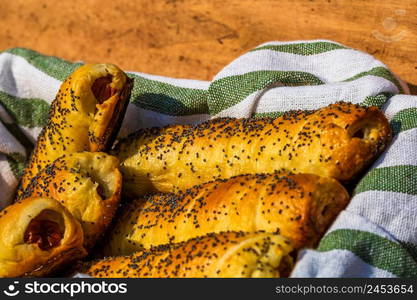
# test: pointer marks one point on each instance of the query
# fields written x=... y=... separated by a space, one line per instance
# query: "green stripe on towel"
x=372 y=249
x=168 y=99
x=302 y=48
x=29 y=112
x=380 y=72
x=50 y=65
x=405 y=119
x=377 y=100
x=400 y=179
x=148 y=94
x=228 y=91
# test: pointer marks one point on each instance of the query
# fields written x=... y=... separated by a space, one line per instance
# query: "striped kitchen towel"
x=375 y=236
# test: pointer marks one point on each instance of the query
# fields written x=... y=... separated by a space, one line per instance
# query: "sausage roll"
x=85 y=116
x=227 y=254
x=299 y=207
x=88 y=184
x=38 y=236
x=336 y=141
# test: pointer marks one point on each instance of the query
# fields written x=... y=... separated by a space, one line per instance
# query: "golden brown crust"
x=88 y=184
x=299 y=207
x=85 y=116
x=227 y=254
x=37 y=236
x=337 y=141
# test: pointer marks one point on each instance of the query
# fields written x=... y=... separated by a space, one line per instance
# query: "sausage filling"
x=45 y=233
x=102 y=89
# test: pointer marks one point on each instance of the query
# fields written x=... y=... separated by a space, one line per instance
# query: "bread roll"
x=85 y=116
x=336 y=141
x=228 y=254
x=88 y=184
x=37 y=236
x=299 y=207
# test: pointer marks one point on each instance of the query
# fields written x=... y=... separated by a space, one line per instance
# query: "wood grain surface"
x=195 y=39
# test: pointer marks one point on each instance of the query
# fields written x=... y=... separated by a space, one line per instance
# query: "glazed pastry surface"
x=227 y=254
x=88 y=184
x=38 y=236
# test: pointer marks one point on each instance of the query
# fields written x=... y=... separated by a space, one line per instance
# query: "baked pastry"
x=228 y=254
x=88 y=184
x=336 y=141
x=38 y=236
x=85 y=116
x=298 y=206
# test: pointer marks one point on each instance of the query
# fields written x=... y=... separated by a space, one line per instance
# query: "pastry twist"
x=227 y=254
x=298 y=206
x=337 y=141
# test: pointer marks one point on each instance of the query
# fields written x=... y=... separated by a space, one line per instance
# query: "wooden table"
x=195 y=39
